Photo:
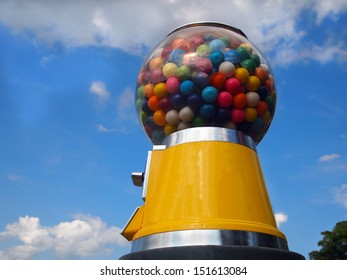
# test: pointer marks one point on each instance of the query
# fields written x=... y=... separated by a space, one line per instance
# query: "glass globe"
x=205 y=75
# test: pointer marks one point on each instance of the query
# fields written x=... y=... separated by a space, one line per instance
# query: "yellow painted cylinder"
x=206 y=185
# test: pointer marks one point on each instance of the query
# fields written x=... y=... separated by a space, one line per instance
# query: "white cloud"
x=281 y=218
x=14 y=177
x=329 y=157
x=131 y=25
x=83 y=237
x=341 y=195
x=99 y=90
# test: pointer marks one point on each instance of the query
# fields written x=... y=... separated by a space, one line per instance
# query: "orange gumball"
x=153 y=103
x=261 y=73
x=261 y=108
x=159 y=118
x=148 y=90
x=239 y=100
x=180 y=43
x=218 y=80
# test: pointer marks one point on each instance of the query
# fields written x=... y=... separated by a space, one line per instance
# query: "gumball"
x=183 y=73
x=250 y=114
x=195 y=41
x=178 y=101
x=187 y=87
x=180 y=43
x=216 y=57
x=159 y=118
x=150 y=123
x=218 y=80
x=168 y=129
x=247 y=46
x=261 y=73
x=239 y=100
x=237 y=116
x=241 y=74
x=253 y=83
x=160 y=90
x=148 y=90
x=169 y=70
x=201 y=80
x=144 y=77
x=176 y=56
x=190 y=59
x=232 y=85
x=194 y=101
x=232 y=56
x=157 y=76
x=172 y=85
x=269 y=85
x=256 y=59
x=228 y=68
x=257 y=124
x=203 y=50
x=198 y=121
x=140 y=94
x=165 y=53
x=207 y=111
x=203 y=65
x=145 y=108
x=172 y=117
x=209 y=94
x=243 y=53
x=224 y=99
x=252 y=99
x=263 y=92
x=183 y=125
x=216 y=45
x=153 y=103
x=155 y=63
x=186 y=114
x=165 y=104
x=223 y=115
x=249 y=64
x=261 y=108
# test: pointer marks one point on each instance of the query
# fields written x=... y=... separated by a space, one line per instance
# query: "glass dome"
x=201 y=75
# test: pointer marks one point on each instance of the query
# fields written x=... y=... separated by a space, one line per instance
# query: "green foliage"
x=333 y=245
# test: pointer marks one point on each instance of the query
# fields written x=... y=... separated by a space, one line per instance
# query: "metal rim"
x=208 y=23
x=199 y=134
x=208 y=237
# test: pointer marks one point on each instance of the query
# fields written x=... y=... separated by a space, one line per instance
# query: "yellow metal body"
x=204 y=185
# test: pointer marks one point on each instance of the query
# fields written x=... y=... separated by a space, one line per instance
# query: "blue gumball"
x=187 y=87
x=232 y=56
x=223 y=115
x=216 y=57
x=176 y=56
x=207 y=111
x=201 y=80
x=194 y=101
x=209 y=94
x=178 y=101
x=216 y=45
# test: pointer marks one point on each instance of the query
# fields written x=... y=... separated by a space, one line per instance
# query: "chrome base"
x=208 y=237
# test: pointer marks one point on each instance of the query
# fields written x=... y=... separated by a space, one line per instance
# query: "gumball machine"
x=205 y=97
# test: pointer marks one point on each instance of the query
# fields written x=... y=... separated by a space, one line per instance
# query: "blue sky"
x=71 y=137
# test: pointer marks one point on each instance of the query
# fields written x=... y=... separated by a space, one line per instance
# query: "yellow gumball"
x=253 y=83
x=250 y=114
x=241 y=74
x=160 y=90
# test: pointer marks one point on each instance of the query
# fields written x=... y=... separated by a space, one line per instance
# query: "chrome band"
x=208 y=237
x=199 y=134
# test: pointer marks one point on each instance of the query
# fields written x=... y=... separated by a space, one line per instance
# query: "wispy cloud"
x=83 y=237
x=281 y=218
x=100 y=23
x=329 y=157
x=341 y=195
x=14 y=177
x=100 y=91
